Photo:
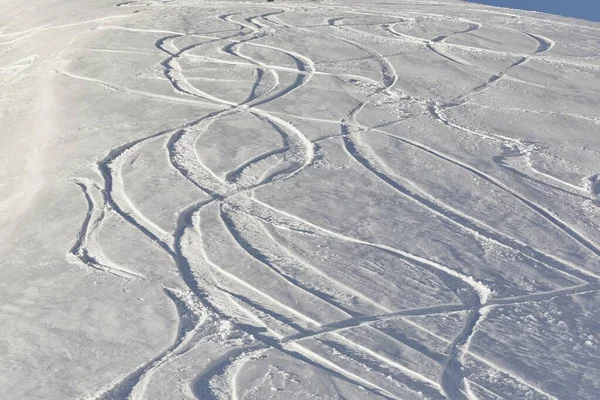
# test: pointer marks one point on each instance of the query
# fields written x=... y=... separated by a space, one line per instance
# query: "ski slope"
x=205 y=199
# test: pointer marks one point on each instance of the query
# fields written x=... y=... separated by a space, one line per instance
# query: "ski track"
x=248 y=220
x=132 y=385
x=350 y=131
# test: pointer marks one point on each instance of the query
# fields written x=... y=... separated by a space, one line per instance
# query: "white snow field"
x=204 y=199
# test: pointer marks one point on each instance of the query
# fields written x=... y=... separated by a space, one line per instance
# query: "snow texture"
x=205 y=199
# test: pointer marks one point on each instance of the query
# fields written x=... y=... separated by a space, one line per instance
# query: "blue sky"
x=585 y=9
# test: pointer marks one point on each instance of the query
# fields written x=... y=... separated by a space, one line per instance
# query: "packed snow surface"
x=205 y=199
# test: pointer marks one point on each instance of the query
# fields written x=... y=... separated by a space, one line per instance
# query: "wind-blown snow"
x=298 y=200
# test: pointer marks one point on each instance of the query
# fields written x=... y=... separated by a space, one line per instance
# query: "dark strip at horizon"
x=582 y=9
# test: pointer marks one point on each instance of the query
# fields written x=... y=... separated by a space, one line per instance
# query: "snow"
x=218 y=199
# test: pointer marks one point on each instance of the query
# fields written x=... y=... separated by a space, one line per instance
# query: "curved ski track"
x=210 y=292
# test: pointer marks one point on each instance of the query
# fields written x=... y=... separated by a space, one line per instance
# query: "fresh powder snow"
x=295 y=199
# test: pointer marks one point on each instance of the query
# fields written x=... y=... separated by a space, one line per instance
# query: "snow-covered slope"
x=298 y=200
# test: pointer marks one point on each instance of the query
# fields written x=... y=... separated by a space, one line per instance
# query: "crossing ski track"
x=290 y=304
